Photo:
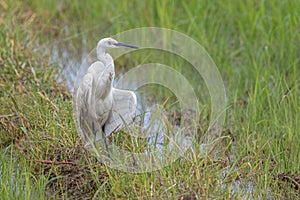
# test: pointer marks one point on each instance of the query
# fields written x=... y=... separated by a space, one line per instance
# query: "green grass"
x=255 y=45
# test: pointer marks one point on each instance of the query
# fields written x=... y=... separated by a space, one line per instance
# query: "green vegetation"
x=255 y=45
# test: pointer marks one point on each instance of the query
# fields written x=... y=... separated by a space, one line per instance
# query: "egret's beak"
x=119 y=44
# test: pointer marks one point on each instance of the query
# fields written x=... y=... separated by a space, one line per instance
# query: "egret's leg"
x=105 y=141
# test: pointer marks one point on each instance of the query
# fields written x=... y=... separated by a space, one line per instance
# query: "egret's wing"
x=97 y=67
x=123 y=110
x=85 y=109
x=103 y=78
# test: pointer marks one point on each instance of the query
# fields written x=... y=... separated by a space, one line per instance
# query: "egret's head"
x=109 y=43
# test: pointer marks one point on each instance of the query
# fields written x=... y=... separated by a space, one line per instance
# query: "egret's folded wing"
x=103 y=77
x=123 y=110
x=84 y=107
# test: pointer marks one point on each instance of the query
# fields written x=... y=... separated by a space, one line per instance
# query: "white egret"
x=101 y=108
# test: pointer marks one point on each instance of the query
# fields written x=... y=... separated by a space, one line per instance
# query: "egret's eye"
x=109 y=42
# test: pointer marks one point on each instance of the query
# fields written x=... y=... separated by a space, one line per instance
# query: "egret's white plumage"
x=102 y=109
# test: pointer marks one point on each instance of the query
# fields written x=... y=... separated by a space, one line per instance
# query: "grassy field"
x=256 y=46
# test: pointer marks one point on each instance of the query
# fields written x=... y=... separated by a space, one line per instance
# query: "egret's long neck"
x=108 y=62
x=105 y=58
